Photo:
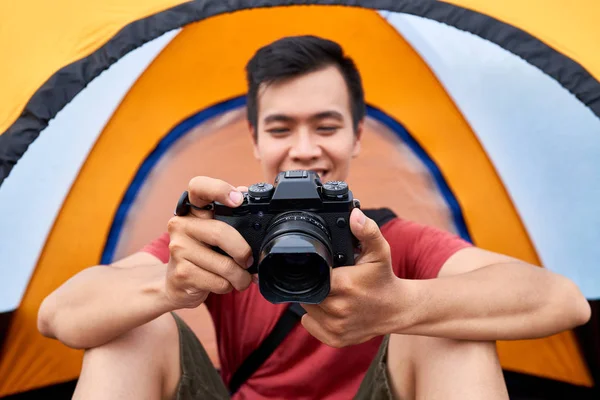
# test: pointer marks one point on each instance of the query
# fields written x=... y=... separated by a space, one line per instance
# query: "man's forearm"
x=506 y=301
x=103 y=302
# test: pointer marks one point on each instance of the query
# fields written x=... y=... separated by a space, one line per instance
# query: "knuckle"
x=339 y=328
x=175 y=224
x=222 y=286
x=175 y=247
x=181 y=273
x=335 y=328
x=341 y=309
x=227 y=268
x=336 y=342
x=344 y=283
x=195 y=183
x=373 y=231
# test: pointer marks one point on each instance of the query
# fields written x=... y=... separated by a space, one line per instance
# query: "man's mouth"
x=322 y=173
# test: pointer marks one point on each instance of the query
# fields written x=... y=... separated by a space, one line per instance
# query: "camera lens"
x=295 y=259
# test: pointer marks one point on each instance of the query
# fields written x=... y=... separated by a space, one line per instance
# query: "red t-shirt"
x=302 y=367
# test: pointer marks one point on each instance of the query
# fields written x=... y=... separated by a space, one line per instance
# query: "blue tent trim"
x=186 y=126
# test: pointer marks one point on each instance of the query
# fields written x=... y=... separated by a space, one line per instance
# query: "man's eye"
x=327 y=128
x=276 y=131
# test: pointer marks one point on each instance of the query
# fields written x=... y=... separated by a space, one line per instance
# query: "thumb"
x=374 y=246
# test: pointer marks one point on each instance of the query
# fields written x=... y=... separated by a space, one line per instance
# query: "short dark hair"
x=298 y=55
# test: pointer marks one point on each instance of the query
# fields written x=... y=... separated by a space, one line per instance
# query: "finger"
x=204 y=190
x=220 y=234
x=341 y=281
x=221 y=265
x=207 y=259
x=335 y=307
x=242 y=189
x=315 y=311
x=194 y=279
x=316 y=330
x=374 y=246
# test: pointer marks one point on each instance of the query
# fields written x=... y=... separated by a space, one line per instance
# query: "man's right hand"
x=194 y=269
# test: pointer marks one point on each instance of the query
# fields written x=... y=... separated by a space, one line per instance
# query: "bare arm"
x=478 y=295
x=481 y=295
x=102 y=302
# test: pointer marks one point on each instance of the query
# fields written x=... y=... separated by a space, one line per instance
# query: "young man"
x=386 y=330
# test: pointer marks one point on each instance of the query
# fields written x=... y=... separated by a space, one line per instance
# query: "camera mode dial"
x=261 y=191
x=335 y=189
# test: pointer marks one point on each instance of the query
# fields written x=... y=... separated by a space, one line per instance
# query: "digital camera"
x=298 y=229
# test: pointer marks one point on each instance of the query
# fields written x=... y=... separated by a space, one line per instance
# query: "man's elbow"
x=579 y=310
x=45 y=317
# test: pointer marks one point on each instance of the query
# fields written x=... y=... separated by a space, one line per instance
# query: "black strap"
x=290 y=317
x=380 y=215
x=288 y=320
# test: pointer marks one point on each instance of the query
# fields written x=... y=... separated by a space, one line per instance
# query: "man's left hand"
x=366 y=299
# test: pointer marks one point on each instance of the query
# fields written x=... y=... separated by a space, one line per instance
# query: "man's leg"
x=147 y=363
x=420 y=367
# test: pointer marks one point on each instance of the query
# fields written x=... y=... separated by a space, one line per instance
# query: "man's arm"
x=481 y=295
x=100 y=303
x=478 y=295
x=103 y=302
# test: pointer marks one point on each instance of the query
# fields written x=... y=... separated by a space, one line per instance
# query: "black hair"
x=298 y=55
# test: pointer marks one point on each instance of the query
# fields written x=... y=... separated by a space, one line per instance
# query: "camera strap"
x=288 y=320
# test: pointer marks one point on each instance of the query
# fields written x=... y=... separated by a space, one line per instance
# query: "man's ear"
x=357 y=138
x=254 y=139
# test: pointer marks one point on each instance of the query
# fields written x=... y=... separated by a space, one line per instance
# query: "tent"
x=483 y=119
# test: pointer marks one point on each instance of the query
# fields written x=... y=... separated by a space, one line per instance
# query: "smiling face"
x=305 y=122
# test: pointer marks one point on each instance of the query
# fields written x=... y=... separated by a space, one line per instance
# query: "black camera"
x=298 y=229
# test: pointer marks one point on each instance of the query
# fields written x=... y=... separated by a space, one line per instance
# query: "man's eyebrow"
x=278 y=118
x=328 y=114
x=315 y=117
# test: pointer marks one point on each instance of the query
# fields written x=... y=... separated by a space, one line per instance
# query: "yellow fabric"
x=569 y=27
x=211 y=75
x=37 y=38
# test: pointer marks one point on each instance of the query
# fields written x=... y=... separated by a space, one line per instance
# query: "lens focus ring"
x=301 y=217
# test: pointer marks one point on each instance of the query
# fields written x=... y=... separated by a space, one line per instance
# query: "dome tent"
x=498 y=103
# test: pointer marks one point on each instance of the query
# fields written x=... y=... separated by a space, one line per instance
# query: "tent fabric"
x=70 y=80
x=143 y=122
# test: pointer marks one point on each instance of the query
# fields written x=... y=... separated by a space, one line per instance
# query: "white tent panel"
x=543 y=142
x=36 y=188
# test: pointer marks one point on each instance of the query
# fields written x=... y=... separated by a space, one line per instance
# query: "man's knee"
x=151 y=337
x=149 y=352
x=438 y=366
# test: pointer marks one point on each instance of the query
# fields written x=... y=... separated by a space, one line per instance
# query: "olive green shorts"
x=200 y=379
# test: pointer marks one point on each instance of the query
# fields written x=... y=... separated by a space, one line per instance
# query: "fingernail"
x=255 y=278
x=236 y=197
x=361 y=217
x=249 y=262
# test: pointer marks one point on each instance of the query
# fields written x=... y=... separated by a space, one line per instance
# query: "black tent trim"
x=60 y=89
x=5 y=319
x=520 y=387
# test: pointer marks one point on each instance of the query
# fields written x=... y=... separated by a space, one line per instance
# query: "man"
x=435 y=336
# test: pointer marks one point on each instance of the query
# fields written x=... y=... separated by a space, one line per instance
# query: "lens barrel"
x=295 y=259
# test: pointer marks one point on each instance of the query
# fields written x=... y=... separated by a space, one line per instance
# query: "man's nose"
x=305 y=147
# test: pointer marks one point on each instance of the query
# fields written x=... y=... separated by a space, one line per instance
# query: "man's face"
x=306 y=123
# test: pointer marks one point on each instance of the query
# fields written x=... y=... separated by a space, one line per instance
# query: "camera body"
x=298 y=229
